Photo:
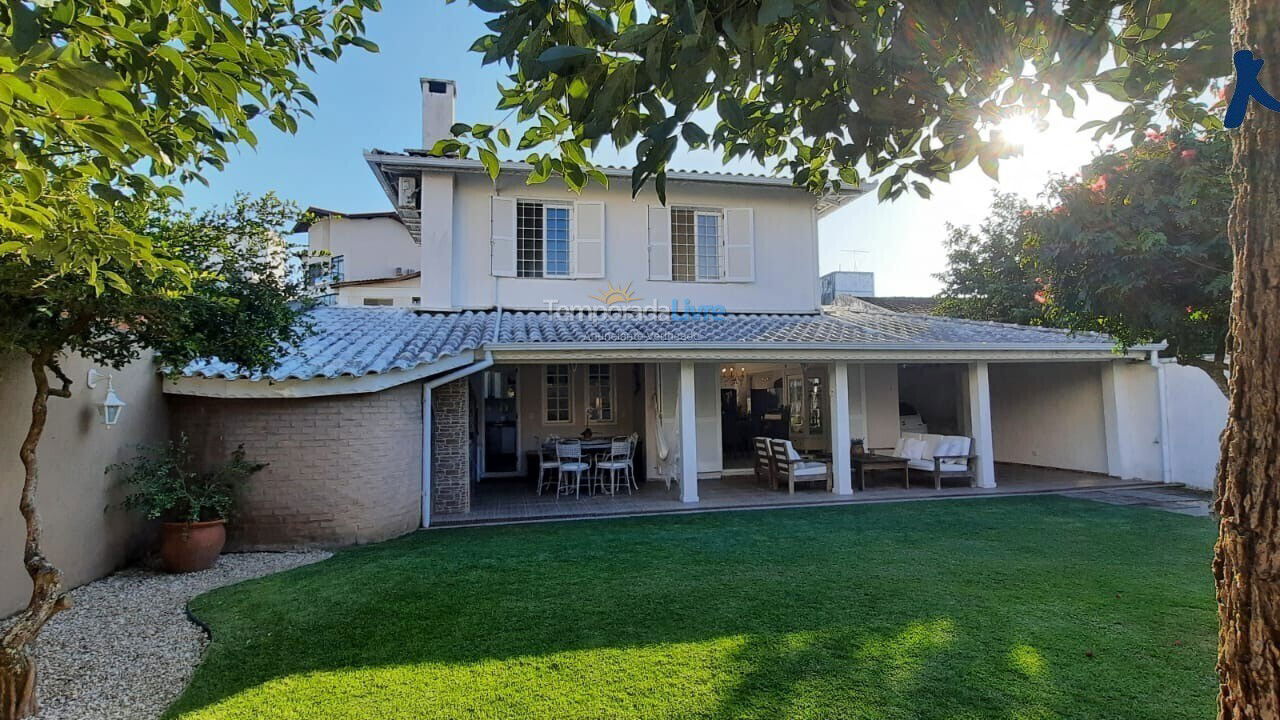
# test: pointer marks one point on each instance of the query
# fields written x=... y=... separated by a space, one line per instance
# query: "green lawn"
x=1006 y=608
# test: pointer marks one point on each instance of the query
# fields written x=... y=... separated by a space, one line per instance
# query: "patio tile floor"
x=514 y=500
x=1182 y=500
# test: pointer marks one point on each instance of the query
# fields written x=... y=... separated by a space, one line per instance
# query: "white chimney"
x=438 y=98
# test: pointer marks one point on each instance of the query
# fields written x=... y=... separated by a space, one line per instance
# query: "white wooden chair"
x=617 y=464
x=548 y=463
x=791 y=468
x=569 y=455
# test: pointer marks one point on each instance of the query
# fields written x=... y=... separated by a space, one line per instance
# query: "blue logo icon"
x=1247 y=86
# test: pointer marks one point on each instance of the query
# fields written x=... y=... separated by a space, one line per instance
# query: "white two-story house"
x=476 y=321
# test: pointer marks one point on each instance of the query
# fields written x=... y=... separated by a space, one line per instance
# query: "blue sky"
x=372 y=101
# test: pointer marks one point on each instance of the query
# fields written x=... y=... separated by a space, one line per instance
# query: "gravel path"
x=126 y=648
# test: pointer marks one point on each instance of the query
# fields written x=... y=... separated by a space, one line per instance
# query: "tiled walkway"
x=497 y=501
x=1172 y=499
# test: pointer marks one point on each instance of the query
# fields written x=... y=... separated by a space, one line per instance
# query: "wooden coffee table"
x=871 y=461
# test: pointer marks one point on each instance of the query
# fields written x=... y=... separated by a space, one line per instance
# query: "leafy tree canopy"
x=103 y=100
x=240 y=303
x=991 y=273
x=1136 y=247
x=833 y=91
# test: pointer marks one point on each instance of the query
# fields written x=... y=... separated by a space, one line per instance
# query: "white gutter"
x=470 y=165
x=1162 y=409
x=427 y=387
x=851 y=346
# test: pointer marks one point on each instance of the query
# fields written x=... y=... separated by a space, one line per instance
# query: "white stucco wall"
x=370 y=247
x=1139 y=421
x=1048 y=414
x=86 y=533
x=786 y=263
x=1197 y=416
x=401 y=293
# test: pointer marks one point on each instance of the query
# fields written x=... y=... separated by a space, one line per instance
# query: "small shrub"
x=166 y=488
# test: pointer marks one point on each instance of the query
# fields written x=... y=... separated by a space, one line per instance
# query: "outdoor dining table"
x=594 y=447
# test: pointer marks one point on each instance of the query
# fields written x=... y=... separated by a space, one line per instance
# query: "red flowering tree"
x=1136 y=247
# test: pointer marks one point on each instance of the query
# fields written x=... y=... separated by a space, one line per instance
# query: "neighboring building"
x=360 y=258
x=847 y=283
x=696 y=325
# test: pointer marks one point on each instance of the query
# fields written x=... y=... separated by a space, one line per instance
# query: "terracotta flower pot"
x=188 y=547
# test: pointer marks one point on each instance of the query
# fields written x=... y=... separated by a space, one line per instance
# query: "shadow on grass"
x=1021 y=607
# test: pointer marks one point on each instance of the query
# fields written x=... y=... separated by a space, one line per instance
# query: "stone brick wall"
x=344 y=469
x=451 y=448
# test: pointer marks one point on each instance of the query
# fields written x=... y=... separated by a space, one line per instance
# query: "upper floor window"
x=696 y=244
x=600 y=393
x=532 y=238
x=326 y=270
x=379 y=302
x=702 y=244
x=542 y=239
x=315 y=274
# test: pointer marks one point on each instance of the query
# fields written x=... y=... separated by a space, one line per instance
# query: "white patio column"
x=1111 y=419
x=979 y=407
x=688 y=436
x=841 y=435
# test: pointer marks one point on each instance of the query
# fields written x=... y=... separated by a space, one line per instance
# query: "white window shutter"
x=739 y=245
x=588 y=240
x=503 y=236
x=659 y=243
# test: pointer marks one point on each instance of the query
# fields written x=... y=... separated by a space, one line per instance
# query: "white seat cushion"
x=575 y=466
x=928 y=465
x=899 y=449
x=613 y=464
x=791 y=452
x=809 y=468
x=931 y=444
x=954 y=446
x=913 y=449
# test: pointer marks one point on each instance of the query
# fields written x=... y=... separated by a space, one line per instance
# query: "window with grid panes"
x=542 y=239
x=696 y=245
x=600 y=393
x=556 y=394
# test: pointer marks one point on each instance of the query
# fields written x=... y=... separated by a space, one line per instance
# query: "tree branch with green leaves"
x=103 y=101
x=833 y=92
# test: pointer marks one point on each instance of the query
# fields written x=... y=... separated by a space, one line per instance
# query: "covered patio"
x=695 y=391
x=514 y=500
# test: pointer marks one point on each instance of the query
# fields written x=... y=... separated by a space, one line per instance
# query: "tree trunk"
x=1247 y=559
x=17 y=667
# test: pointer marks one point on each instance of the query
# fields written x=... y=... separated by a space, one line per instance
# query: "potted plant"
x=193 y=506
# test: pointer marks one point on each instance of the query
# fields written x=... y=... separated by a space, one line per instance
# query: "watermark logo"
x=613 y=296
x=1247 y=87
x=617 y=302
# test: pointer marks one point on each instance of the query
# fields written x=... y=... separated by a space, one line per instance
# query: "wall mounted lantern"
x=111 y=405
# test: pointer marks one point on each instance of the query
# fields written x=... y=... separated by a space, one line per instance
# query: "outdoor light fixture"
x=111 y=405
